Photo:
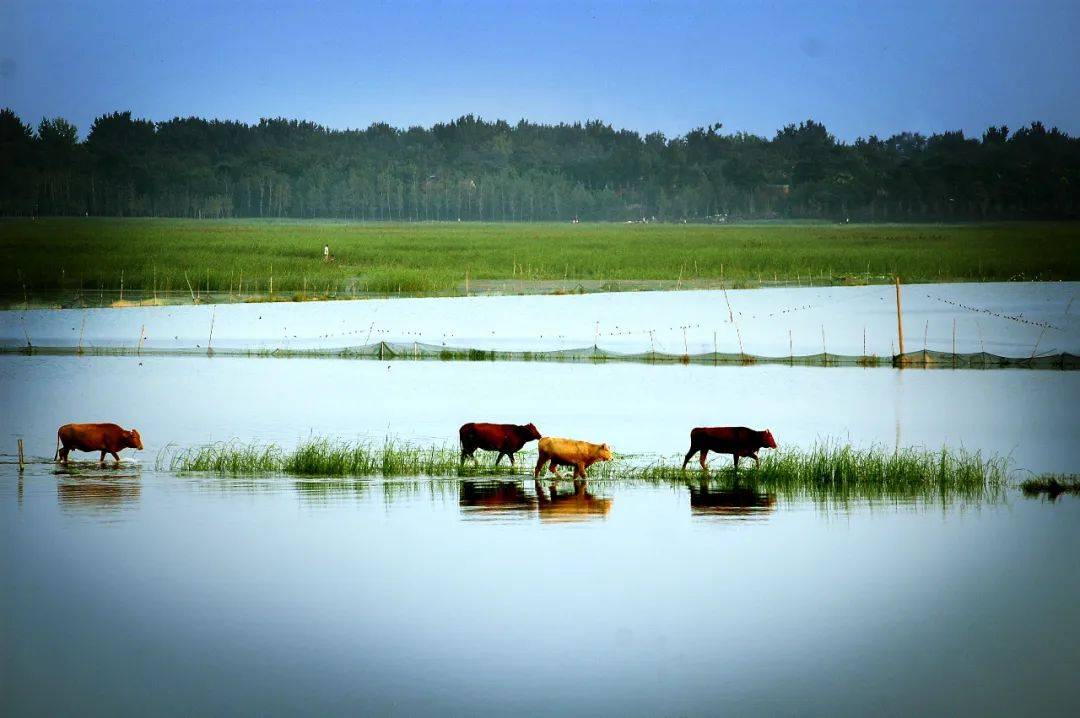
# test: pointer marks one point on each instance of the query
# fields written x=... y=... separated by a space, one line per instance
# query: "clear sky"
x=871 y=67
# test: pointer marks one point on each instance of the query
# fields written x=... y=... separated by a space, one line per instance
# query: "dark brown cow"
x=507 y=439
x=735 y=440
x=106 y=438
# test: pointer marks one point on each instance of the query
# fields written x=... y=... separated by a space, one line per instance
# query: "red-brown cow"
x=735 y=440
x=507 y=439
x=106 y=438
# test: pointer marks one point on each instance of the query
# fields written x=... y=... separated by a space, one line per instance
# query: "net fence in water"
x=387 y=351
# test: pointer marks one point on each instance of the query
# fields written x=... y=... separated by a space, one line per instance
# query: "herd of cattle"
x=507 y=439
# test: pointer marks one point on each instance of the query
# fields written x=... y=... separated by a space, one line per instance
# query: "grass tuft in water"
x=1053 y=485
x=324 y=457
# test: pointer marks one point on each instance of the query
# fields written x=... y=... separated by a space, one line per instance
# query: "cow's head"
x=767 y=438
x=532 y=431
x=604 y=454
x=133 y=439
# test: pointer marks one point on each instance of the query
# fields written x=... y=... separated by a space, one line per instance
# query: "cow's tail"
x=56 y=454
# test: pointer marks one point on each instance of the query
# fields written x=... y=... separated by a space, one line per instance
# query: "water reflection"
x=496 y=499
x=574 y=505
x=92 y=487
x=730 y=502
x=502 y=500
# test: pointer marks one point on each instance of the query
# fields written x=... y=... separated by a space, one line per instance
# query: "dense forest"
x=471 y=169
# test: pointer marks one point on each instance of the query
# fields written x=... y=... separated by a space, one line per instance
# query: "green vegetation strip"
x=828 y=467
x=91 y=261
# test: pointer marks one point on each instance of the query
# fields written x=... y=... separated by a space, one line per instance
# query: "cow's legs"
x=579 y=471
x=498 y=458
x=736 y=458
x=102 y=459
x=64 y=454
x=540 y=461
x=689 y=455
x=115 y=456
x=702 y=459
x=555 y=469
x=511 y=455
x=757 y=462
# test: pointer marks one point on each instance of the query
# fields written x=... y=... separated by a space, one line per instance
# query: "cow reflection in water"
x=496 y=496
x=505 y=499
x=578 y=505
x=733 y=502
x=96 y=489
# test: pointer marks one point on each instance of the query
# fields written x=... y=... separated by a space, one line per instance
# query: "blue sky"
x=860 y=67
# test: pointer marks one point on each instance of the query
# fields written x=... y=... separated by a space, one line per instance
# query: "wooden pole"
x=22 y=459
x=954 y=342
x=210 y=341
x=899 y=322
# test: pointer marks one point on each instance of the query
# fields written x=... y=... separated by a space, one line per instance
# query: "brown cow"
x=735 y=440
x=507 y=439
x=106 y=438
x=568 y=452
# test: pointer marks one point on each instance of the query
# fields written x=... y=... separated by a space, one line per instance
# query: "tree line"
x=471 y=169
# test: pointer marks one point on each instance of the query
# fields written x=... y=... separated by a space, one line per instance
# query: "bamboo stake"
x=954 y=342
x=899 y=322
x=213 y=317
x=1037 y=341
x=731 y=317
x=22 y=459
x=121 y=285
x=790 y=348
x=142 y=336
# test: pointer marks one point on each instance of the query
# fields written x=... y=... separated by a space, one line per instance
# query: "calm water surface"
x=128 y=590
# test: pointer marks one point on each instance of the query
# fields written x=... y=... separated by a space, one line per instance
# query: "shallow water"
x=126 y=589
x=152 y=593
x=1013 y=319
x=636 y=408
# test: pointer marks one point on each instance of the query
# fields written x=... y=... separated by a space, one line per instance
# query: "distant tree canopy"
x=471 y=169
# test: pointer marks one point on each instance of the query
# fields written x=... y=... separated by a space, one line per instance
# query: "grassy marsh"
x=95 y=260
x=826 y=469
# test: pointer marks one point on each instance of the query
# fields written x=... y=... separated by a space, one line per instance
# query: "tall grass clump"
x=222 y=458
x=324 y=457
x=835 y=471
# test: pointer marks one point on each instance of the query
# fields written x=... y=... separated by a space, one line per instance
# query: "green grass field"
x=82 y=258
